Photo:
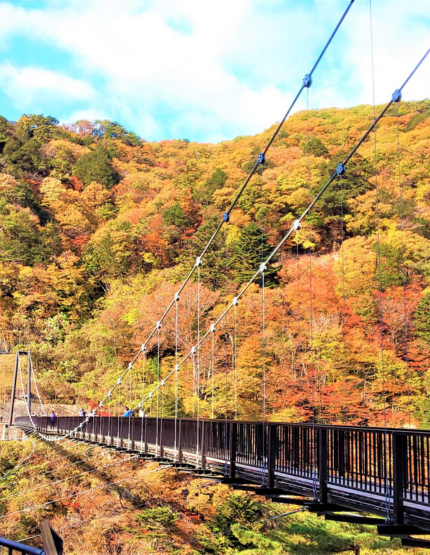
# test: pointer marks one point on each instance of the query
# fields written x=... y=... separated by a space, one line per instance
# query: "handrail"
x=21 y=419
x=380 y=468
x=21 y=547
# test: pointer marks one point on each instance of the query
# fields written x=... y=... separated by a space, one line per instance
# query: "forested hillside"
x=98 y=227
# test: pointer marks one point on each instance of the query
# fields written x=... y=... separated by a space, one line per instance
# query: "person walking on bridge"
x=52 y=418
x=128 y=412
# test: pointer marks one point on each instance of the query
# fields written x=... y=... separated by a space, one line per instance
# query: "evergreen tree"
x=315 y=148
x=249 y=251
x=96 y=166
x=215 y=266
x=233 y=518
x=422 y=318
x=24 y=159
x=216 y=181
x=112 y=130
x=174 y=215
x=5 y=132
x=40 y=128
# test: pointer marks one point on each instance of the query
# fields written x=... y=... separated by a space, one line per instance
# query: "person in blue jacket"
x=128 y=412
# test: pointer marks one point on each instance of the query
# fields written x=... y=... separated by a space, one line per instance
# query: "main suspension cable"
x=340 y=169
x=226 y=217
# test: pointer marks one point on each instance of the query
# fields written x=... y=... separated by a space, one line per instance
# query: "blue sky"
x=201 y=69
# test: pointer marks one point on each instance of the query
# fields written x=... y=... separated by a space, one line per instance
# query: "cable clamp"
x=163 y=383
x=261 y=158
x=397 y=95
x=177 y=297
x=193 y=350
x=143 y=348
x=340 y=168
x=226 y=217
x=150 y=395
x=130 y=366
x=109 y=394
x=139 y=405
x=177 y=368
x=235 y=301
x=101 y=404
x=212 y=329
x=119 y=381
x=262 y=267
x=198 y=261
x=307 y=80
x=158 y=325
x=297 y=225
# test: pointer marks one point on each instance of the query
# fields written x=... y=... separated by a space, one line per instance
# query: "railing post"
x=180 y=440
x=161 y=450
x=12 y=399
x=203 y=447
x=146 y=435
x=272 y=448
x=400 y=462
x=29 y=382
x=233 y=448
x=322 y=463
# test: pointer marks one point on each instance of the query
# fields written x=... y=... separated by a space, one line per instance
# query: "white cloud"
x=25 y=85
x=212 y=70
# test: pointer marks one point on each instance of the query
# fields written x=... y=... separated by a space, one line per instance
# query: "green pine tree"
x=422 y=318
x=96 y=166
x=216 y=181
x=250 y=250
x=216 y=262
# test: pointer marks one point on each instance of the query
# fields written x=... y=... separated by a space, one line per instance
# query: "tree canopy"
x=99 y=227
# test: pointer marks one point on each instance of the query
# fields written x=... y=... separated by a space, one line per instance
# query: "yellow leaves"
x=287 y=414
x=53 y=190
x=356 y=267
x=95 y=195
x=61 y=148
x=149 y=258
x=68 y=205
x=223 y=197
x=6 y=182
x=298 y=198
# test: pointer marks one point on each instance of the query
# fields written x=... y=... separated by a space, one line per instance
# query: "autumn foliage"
x=98 y=228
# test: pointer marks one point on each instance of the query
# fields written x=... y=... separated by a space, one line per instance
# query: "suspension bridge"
x=328 y=469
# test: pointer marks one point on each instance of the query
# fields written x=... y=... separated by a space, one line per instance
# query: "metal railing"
x=52 y=543
x=16 y=547
x=389 y=465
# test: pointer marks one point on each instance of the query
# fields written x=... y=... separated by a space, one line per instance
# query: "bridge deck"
x=366 y=469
